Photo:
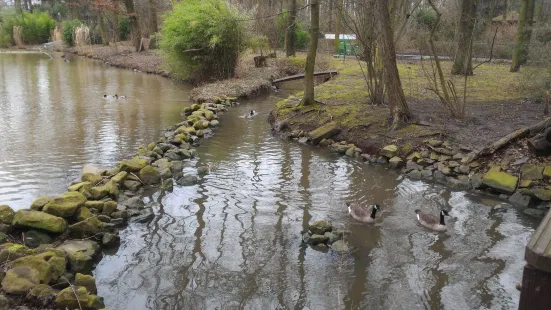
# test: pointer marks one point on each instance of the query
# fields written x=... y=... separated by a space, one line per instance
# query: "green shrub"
x=124 y=28
x=426 y=17
x=68 y=29
x=36 y=27
x=5 y=40
x=202 y=39
x=258 y=42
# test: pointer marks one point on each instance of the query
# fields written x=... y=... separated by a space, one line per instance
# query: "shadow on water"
x=233 y=240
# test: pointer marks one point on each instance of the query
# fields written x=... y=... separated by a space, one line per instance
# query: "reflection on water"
x=53 y=120
x=233 y=240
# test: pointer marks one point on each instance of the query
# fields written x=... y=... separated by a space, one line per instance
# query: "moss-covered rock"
x=92 y=178
x=80 y=187
x=37 y=263
x=58 y=266
x=20 y=280
x=150 y=175
x=80 y=254
x=40 y=202
x=500 y=181
x=389 y=151
x=83 y=213
x=209 y=115
x=6 y=215
x=415 y=156
x=109 y=207
x=320 y=227
x=86 y=228
x=94 y=204
x=120 y=177
x=87 y=282
x=214 y=123
x=324 y=132
x=531 y=172
x=69 y=299
x=396 y=162
x=547 y=173
x=318 y=239
x=543 y=194
x=11 y=251
x=111 y=188
x=525 y=183
x=34 y=238
x=66 y=205
x=42 y=291
x=133 y=165
x=132 y=185
x=39 y=220
x=96 y=302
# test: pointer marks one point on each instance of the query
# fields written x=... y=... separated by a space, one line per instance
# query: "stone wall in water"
x=49 y=250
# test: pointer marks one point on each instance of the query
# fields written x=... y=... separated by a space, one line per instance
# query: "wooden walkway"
x=535 y=292
x=301 y=76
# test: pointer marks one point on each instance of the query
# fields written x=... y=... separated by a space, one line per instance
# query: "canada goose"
x=116 y=96
x=361 y=213
x=122 y=97
x=431 y=222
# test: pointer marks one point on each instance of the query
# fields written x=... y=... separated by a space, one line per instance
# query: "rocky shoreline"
x=49 y=250
x=524 y=182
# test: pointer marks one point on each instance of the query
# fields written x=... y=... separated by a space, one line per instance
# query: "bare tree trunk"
x=134 y=24
x=463 y=63
x=312 y=51
x=18 y=8
x=153 y=25
x=399 y=111
x=290 y=37
x=524 y=34
x=505 y=9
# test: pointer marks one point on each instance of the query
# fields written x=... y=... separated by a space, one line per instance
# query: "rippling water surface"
x=233 y=240
x=54 y=120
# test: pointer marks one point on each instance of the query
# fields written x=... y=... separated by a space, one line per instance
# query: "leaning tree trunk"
x=134 y=24
x=524 y=34
x=290 y=36
x=399 y=111
x=312 y=51
x=463 y=63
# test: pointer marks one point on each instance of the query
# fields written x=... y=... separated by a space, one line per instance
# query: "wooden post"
x=535 y=292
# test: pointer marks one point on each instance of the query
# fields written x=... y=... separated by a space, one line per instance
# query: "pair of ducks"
x=426 y=220
x=114 y=97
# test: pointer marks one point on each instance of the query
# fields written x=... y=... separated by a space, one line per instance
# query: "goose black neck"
x=442 y=219
x=373 y=213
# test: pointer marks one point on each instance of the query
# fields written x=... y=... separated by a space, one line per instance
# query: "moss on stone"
x=39 y=220
x=500 y=181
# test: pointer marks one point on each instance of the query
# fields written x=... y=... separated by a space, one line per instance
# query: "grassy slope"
x=345 y=101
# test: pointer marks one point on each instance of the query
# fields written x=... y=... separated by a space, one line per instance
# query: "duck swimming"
x=431 y=222
x=361 y=213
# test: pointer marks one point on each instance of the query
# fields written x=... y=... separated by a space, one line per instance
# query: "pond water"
x=233 y=240
x=54 y=120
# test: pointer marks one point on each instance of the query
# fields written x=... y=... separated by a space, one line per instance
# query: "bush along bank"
x=528 y=186
x=48 y=251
